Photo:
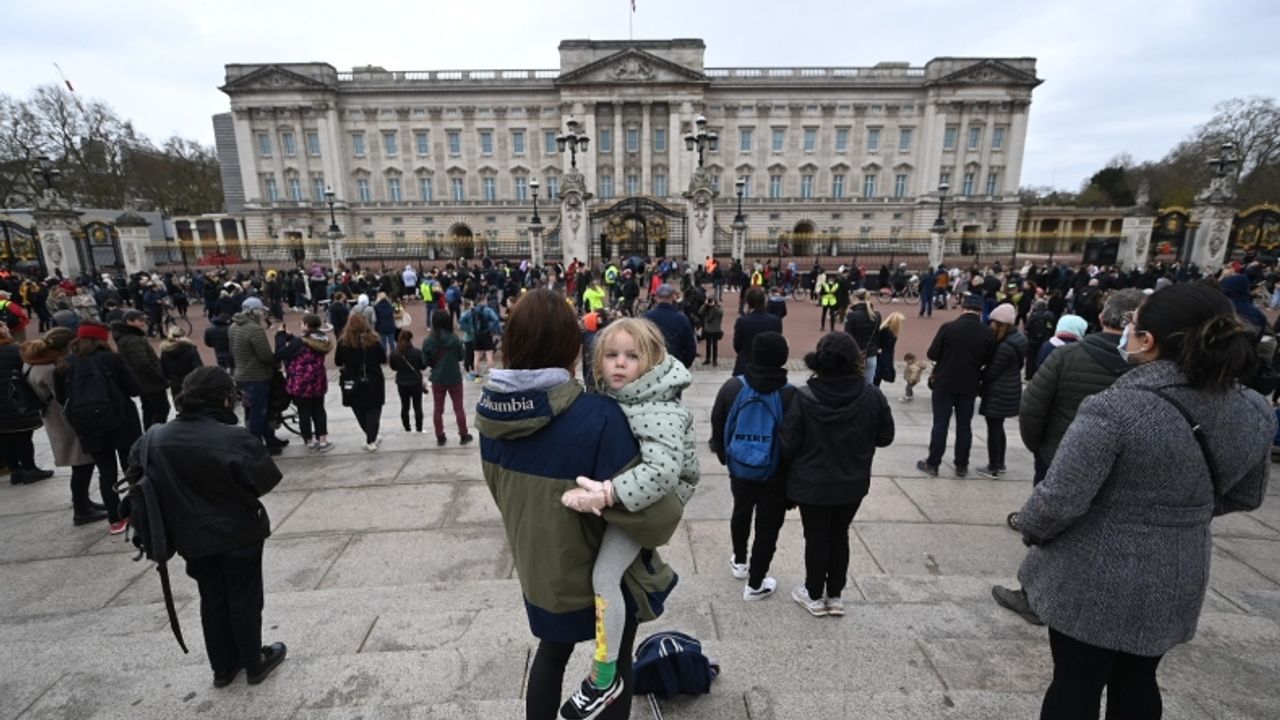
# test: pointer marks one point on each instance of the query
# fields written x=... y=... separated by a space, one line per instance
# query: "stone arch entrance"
x=804 y=238
x=462 y=241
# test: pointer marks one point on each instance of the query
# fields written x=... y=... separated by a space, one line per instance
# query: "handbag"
x=359 y=386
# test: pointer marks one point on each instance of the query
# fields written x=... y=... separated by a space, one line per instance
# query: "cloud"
x=1120 y=75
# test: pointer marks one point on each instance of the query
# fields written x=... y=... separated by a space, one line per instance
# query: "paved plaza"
x=388 y=577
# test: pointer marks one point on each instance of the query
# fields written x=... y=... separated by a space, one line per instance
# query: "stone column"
x=217 y=233
x=574 y=224
x=702 y=216
x=646 y=149
x=134 y=239
x=1213 y=213
x=535 y=243
x=619 y=153
x=55 y=221
x=195 y=235
x=1135 y=239
x=739 y=252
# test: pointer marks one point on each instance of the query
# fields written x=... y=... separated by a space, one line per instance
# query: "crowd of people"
x=1145 y=399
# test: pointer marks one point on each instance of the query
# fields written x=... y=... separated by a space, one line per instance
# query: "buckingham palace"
x=629 y=147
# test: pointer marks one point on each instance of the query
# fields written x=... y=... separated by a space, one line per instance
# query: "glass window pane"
x=904 y=140
x=660 y=140
x=873 y=139
x=389 y=142
x=290 y=144
x=357 y=144
x=606 y=140
x=486 y=143
x=313 y=144
x=517 y=142
x=455 y=142
x=779 y=139
x=264 y=145
x=810 y=139
x=549 y=142
x=633 y=140
x=949 y=138
x=423 y=140
x=842 y=139
x=425 y=191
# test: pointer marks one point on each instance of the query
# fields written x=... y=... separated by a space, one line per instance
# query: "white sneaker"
x=739 y=570
x=816 y=608
x=767 y=586
x=377 y=442
x=835 y=607
x=371 y=447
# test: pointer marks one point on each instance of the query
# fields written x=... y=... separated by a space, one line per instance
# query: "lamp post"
x=701 y=138
x=740 y=223
x=575 y=140
x=535 y=227
x=335 y=233
x=939 y=229
x=47 y=172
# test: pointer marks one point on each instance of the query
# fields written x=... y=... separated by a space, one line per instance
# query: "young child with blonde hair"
x=630 y=364
x=912 y=374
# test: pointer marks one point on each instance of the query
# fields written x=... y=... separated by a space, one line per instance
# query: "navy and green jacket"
x=538 y=432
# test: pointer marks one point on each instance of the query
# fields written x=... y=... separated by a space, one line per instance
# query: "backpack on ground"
x=671 y=663
x=92 y=407
x=141 y=505
x=752 y=447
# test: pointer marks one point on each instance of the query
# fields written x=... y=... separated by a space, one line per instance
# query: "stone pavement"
x=389 y=579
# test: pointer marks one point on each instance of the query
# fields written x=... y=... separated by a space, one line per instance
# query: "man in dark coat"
x=746 y=327
x=203 y=465
x=144 y=363
x=676 y=328
x=1238 y=291
x=961 y=349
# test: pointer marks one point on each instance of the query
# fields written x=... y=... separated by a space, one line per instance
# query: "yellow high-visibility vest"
x=829 y=293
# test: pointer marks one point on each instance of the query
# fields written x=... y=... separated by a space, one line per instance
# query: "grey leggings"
x=617 y=552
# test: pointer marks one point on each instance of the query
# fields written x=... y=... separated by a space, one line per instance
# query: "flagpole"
x=631 y=16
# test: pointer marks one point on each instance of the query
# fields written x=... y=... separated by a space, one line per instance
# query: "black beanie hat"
x=206 y=387
x=769 y=349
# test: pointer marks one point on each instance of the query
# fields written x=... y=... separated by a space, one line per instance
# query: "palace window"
x=362 y=190
x=975 y=138
x=746 y=186
x=425 y=191
x=457 y=189
x=486 y=142
x=313 y=144
x=606 y=140
x=357 y=144
x=393 y=190
x=422 y=139
x=270 y=190
x=779 y=139
x=490 y=188
x=744 y=139
x=606 y=186
x=290 y=144
x=904 y=140
x=949 y=137
x=837 y=186
x=775 y=186
x=553 y=187
x=993 y=182
x=517 y=142
x=810 y=139
x=633 y=184
x=967 y=190
x=389 y=143
x=660 y=185
x=900 y=186
x=869 y=186
x=295 y=189
x=842 y=139
x=659 y=140
x=633 y=140
x=455 y=142
x=549 y=142
x=806 y=186
x=317 y=188
x=997 y=138
x=264 y=145
x=522 y=188
x=873 y=139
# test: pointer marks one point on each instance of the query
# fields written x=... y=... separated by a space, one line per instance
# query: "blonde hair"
x=653 y=349
x=894 y=322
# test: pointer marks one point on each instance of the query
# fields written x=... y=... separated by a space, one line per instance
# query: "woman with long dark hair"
x=406 y=361
x=1119 y=528
x=1002 y=386
x=360 y=358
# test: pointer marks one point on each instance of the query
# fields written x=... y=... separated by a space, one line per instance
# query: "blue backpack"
x=751 y=443
x=671 y=663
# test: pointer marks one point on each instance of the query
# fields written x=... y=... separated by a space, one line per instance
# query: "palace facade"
x=443 y=162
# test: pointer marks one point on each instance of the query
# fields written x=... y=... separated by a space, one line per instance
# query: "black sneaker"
x=924 y=467
x=88 y=517
x=988 y=471
x=465 y=439
x=962 y=471
x=589 y=701
x=1015 y=600
x=272 y=656
x=225 y=679
x=441 y=440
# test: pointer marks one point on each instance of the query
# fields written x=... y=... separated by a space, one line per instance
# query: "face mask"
x=1123 y=347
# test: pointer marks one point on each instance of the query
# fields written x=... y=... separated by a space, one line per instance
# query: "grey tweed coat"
x=1119 y=528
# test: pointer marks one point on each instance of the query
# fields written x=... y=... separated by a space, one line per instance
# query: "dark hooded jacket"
x=1002 y=378
x=1072 y=373
x=763 y=380
x=140 y=358
x=1236 y=288
x=829 y=438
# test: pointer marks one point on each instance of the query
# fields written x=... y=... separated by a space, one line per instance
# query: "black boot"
x=88 y=517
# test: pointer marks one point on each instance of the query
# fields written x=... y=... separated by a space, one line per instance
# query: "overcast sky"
x=1119 y=75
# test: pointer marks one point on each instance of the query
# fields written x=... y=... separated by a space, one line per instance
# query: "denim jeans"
x=256 y=394
x=943 y=405
x=872 y=361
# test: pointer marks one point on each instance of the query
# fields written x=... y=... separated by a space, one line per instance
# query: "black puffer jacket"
x=109 y=364
x=1072 y=373
x=961 y=349
x=863 y=324
x=1002 y=378
x=208 y=476
x=177 y=360
x=11 y=370
x=829 y=438
x=216 y=337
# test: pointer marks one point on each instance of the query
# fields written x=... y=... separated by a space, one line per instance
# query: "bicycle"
x=169 y=319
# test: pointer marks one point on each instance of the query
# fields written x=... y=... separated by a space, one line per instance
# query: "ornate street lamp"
x=46 y=170
x=335 y=233
x=940 y=225
x=741 y=186
x=575 y=140
x=533 y=189
x=701 y=139
x=535 y=227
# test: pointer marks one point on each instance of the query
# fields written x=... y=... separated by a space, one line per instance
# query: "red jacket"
x=18 y=312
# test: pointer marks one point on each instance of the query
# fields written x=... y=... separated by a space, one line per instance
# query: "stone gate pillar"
x=1212 y=214
x=56 y=221
x=1135 y=239
x=573 y=217
x=134 y=242
x=702 y=216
